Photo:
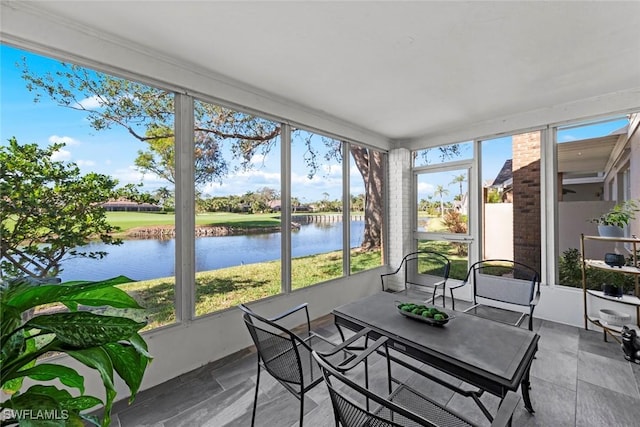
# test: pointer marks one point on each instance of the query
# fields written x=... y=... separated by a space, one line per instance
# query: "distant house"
x=276 y=205
x=129 y=206
x=503 y=182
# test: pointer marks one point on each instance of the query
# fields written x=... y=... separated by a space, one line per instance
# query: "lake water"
x=150 y=259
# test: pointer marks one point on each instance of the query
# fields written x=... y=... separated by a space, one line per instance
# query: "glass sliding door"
x=442 y=213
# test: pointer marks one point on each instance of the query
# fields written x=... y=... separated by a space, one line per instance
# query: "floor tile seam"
x=635 y=381
x=554 y=383
x=636 y=397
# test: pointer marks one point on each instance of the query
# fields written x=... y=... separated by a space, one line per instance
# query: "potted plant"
x=612 y=222
x=107 y=344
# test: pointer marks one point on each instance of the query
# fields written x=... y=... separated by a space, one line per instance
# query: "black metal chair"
x=424 y=271
x=286 y=355
x=355 y=405
x=505 y=281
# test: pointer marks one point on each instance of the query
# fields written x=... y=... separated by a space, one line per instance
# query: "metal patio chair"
x=286 y=355
x=356 y=405
x=515 y=286
x=424 y=271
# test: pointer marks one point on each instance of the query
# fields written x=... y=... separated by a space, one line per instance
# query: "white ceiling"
x=400 y=69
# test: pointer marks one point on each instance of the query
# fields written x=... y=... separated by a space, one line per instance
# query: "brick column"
x=400 y=205
x=526 y=199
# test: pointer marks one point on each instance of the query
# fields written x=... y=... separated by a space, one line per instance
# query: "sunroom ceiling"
x=403 y=70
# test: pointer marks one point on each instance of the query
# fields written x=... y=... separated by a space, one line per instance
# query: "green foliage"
x=455 y=222
x=47 y=209
x=571 y=274
x=619 y=215
x=494 y=196
x=107 y=344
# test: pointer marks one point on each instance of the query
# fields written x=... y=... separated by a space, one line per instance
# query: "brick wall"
x=526 y=199
x=400 y=205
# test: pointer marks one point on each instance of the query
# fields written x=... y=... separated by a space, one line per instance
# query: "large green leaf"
x=114 y=297
x=33 y=295
x=10 y=320
x=140 y=345
x=129 y=364
x=80 y=403
x=97 y=358
x=12 y=345
x=29 y=347
x=50 y=371
x=40 y=406
x=84 y=329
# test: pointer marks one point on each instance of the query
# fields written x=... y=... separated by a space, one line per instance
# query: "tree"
x=441 y=192
x=48 y=210
x=147 y=113
x=459 y=179
x=370 y=163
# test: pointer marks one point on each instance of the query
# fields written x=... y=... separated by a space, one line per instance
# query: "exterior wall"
x=498 y=232
x=526 y=199
x=573 y=219
x=400 y=207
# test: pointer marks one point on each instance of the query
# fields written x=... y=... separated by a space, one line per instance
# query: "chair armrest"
x=536 y=299
x=451 y=288
x=345 y=344
x=351 y=363
x=441 y=282
x=506 y=410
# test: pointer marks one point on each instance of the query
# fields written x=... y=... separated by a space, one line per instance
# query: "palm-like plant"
x=459 y=179
x=441 y=192
x=107 y=344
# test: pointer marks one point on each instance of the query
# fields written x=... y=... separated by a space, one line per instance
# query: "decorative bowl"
x=613 y=317
x=428 y=320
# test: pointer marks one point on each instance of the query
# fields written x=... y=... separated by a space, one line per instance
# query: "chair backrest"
x=277 y=347
x=348 y=399
x=426 y=267
x=504 y=280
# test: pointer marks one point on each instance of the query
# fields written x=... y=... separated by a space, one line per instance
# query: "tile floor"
x=577 y=380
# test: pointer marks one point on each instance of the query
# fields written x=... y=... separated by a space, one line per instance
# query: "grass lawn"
x=228 y=287
x=129 y=220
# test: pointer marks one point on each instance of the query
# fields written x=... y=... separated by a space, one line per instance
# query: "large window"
x=316 y=197
x=511 y=202
x=598 y=168
x=111 y=130
x=238 y=203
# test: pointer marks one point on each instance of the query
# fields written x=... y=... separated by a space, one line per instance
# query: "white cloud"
x=89 y=103
x=425 y=189
x=85 y=163
x=61 y=155
x=55 y=139
x=131 y=175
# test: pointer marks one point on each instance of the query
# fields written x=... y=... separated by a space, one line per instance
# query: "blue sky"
x=113 y=151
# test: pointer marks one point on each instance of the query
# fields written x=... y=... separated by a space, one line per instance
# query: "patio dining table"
x=489 y=355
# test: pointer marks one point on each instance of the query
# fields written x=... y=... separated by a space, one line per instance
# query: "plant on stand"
x=612 y=222
x=107 y=344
